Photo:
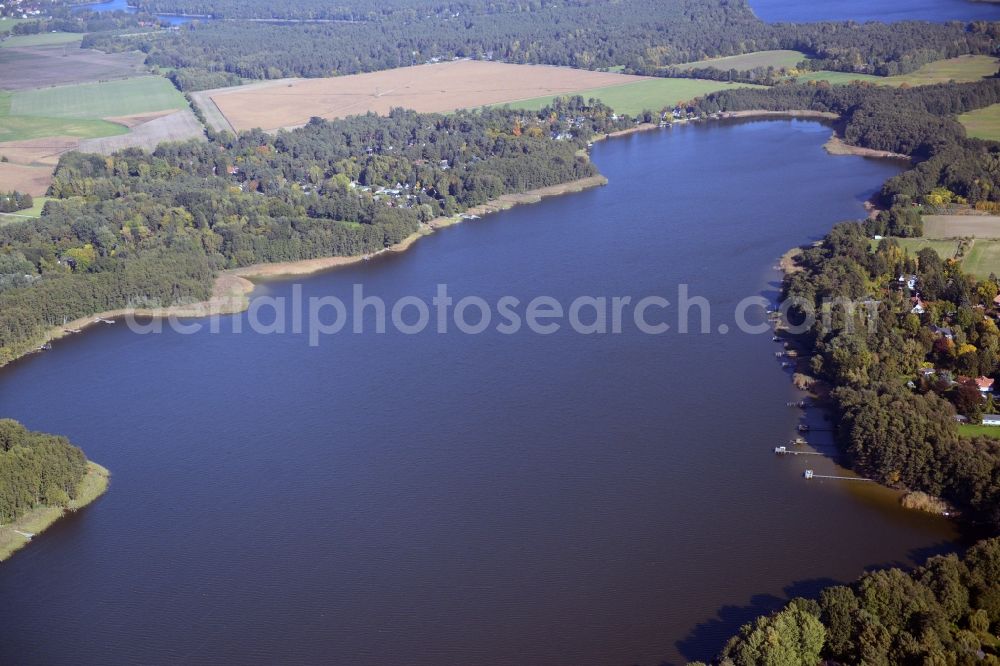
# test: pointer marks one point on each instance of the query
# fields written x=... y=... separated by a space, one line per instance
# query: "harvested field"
x=441 y=88
x=41 y=66
x=961 y=226
x=177 y=126
x=34 y=180
x=210 y=111
x=38 y=152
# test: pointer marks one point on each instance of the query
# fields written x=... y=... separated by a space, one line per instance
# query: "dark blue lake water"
x=805 y=11
x=453 y=499
x=123 y=6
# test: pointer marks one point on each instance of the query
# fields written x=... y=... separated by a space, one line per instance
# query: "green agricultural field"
x=972 y=430
x=7 y=24
x=839 y=78
x=634 y=98
x=964 y=70
x=42 y=39
x=106 y=99
x=945 y=248
x=983 y=123
x=19 y=128
x=983 y=258
x=747 y=61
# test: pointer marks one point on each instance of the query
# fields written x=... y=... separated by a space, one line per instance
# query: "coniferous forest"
x=36 y=469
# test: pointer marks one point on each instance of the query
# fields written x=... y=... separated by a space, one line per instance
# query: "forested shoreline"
x=903 y=365
x=919 y=122
x=944 y=612
x=139 y=229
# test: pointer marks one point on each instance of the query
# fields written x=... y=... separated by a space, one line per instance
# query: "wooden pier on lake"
x=809 y=474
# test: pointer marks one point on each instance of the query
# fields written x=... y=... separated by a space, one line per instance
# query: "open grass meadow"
x=982 y=123
x=946 y=249
x=41 y=39
x=78 y=110
x=747 y=61
x=839 y=78
x=7 y=24
x=634 y=98
x=983 y=258
x=975 y=430
x=105 y=99
x=19 y=128
x=34 y=211
x=963 y=70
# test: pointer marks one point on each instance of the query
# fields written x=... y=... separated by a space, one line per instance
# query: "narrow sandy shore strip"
x=19 y=534
x=231 y=291
x=802 y=113
x=837 y=146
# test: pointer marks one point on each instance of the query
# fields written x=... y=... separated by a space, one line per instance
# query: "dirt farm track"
x=439 y=87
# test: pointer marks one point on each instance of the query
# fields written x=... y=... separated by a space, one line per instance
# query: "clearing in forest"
x=748 y=61
x=982 y=123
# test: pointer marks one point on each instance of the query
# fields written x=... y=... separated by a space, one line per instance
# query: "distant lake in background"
x=123 y=6
x=444 y=499
x=807 y=11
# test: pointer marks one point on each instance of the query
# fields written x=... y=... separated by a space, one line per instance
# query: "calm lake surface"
x=805 y=11
x=123 y=6
x=453 y=499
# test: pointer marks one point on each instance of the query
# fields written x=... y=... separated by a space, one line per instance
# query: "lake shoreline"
x=232 y=288
x=12 y=537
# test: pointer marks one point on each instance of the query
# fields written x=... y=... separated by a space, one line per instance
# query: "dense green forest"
x=641 y=36
x=945 y=612
x=141 y=229
x=900 y=376
x=36 y=469
x=898 y=435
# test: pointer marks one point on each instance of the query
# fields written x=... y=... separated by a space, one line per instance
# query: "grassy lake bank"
x=13 y=536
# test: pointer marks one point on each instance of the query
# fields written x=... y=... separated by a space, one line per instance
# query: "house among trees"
x=991 y=419
x=985 y=385
x=943 y=332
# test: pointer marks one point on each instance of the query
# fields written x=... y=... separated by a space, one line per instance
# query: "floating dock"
x=785 y=451
x=809 y=474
